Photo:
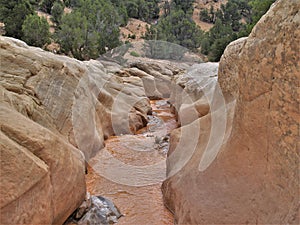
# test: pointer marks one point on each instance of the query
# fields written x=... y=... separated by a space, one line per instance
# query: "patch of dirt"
x=46 y=16
x=134 y=27
x=199 y=5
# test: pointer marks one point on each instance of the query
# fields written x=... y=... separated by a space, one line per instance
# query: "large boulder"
x=42 y=176
x=252 y=176
x=193 y=90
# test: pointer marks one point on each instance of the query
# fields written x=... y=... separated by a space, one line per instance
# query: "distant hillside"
x=85 y=29
x=200 y=5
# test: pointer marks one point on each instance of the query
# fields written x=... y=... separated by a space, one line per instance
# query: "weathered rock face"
x=229 y=71
x=65 y=95
x=55 y=114
x=42 y=176
x=254 y=176
x=193 y=90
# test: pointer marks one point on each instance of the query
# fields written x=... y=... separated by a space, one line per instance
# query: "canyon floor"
x=139 y=197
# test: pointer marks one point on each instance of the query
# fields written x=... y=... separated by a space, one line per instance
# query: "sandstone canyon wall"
x=55 y=114
x=254 y=177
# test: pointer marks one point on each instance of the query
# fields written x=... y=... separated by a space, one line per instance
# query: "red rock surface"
x=254 y=179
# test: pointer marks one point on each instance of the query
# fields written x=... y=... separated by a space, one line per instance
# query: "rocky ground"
x=58 y=112
x=233 y=160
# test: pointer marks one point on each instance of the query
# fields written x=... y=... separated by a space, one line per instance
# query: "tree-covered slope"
x=85 y=29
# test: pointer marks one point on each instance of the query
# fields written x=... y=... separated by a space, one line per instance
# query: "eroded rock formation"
x=252 y=177
x=55 y=114
x=233 y=161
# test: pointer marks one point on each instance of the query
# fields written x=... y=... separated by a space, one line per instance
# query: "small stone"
x=157 y=139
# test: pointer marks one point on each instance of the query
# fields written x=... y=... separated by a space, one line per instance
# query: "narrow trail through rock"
x=141 y=203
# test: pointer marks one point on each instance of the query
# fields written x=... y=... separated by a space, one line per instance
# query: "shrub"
x=36 y=30
x=57 y=11
x=135 y=54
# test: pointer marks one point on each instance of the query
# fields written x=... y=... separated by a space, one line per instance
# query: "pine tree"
x=177 y=28
x=72 y=34
x=90 y=29
x=13 y=14
x=185 y=5
x=36 y=30
x=57 y=11
x=46 y=5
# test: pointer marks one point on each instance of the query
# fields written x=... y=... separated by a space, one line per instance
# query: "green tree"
x=72 y=35
x=259 y=8
x=218 y=48
x=228 y=26
x=244 y=8
x=46 y=5
x=185 y=5
x=177 y=28
x=216 y=40
x=36 y=31
x=13 y=14
x=204 y=16
x=121 y=9
x=72 y=3
x=153 y=10
x=132 y=9
x=167 y=8
x=34 y=3
x=57 y=11
x=143 y=10
x=205 y=45
x=90 y=29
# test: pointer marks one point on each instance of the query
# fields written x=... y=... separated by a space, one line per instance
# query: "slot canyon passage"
x=231 y=156
x=139 y=204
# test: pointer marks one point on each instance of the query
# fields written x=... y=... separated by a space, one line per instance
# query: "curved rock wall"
x=55 y=114
x=254 y=178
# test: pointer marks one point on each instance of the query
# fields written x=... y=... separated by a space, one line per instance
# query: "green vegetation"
x=177 y=26
x=92 y=26
x=13 y=14
x=46 y=5
x=36 y=30
x=135 y=54
x=233 y=20
x=72 y=3
x=146 y=10
x=259 y=8
x=185 y=5
x=206 y=16
x=90 y=29
x=57 y=11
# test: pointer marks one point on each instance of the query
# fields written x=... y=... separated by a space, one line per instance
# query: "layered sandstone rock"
x=247 y=175
x=75 y=99
x=55 y=114
x=193 y=91
x=42 y=176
